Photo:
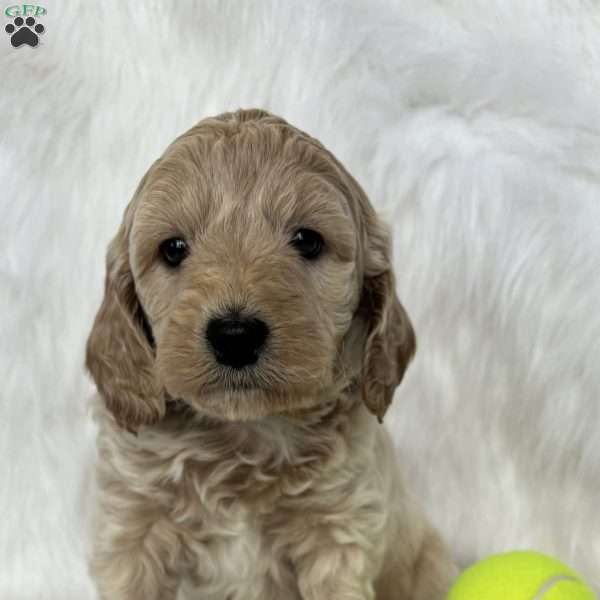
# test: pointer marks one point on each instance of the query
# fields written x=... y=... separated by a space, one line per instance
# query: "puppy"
x=248 y=343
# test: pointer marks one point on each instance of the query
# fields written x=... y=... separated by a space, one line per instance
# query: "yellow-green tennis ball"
x=520 y=576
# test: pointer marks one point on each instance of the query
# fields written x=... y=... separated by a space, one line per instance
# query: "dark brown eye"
x=173 y=251
x=308 y=243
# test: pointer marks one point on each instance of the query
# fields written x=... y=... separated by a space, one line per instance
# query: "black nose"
x=236 y=341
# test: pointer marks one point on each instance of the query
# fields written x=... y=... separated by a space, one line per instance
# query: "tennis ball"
x=520 y=576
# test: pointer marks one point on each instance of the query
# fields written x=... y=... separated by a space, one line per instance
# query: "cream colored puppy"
x=249 y=335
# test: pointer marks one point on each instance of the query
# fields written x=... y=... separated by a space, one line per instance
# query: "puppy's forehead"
x=256 y=169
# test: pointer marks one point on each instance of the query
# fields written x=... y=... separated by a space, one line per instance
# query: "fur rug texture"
x=474 y=126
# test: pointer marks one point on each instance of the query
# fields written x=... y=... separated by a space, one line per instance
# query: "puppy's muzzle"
x=236 y=341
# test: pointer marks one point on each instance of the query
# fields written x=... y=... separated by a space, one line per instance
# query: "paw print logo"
x=24 y=32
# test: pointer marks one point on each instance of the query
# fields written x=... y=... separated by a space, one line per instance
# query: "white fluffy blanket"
x=474 y=126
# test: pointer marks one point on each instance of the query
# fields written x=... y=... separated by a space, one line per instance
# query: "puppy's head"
x=250 y=276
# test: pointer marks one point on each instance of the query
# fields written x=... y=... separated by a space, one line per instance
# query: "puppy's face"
x=243 y=257
x=244 y=261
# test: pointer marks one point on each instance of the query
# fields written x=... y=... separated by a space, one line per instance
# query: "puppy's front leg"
x=334 y=556
x=334 y=573
x=134 y=555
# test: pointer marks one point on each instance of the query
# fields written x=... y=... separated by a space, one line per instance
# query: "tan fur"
x=273 y=483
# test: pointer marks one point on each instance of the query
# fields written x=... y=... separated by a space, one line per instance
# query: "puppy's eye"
x=308 y=243
x=173 y=251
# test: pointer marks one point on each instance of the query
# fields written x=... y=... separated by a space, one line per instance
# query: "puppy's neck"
x=292 y=438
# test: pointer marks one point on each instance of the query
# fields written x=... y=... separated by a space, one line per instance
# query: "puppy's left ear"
x=391 y=342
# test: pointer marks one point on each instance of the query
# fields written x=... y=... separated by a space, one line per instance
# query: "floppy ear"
x=391 y=342
x=119 y=353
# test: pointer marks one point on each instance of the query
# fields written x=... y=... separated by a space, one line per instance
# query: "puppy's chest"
x=231 y=522
x=231 y=556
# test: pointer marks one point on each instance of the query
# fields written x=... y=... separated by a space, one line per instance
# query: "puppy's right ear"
x=119 y=353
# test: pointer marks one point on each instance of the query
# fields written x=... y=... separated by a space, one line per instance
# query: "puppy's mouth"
x=236 y=380
x=240 y=386
x=246 y=398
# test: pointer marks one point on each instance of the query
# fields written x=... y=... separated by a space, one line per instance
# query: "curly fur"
x=273 y=482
